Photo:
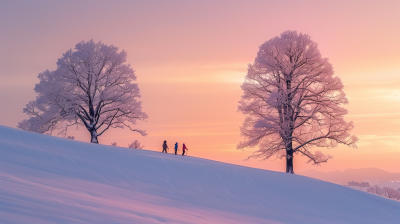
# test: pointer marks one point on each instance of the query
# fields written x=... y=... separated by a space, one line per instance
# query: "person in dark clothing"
x=176 y=148
x=183 y=149
x=165 y=147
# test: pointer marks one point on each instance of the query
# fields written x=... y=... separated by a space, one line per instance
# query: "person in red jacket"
x=183 y=149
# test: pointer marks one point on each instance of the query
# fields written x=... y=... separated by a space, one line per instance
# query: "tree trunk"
x=93 y=136
x=289 y=161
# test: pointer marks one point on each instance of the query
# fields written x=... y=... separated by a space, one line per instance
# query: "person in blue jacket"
x=176 y=148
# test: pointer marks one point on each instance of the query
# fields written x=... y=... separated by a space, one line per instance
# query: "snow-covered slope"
x=44 y=179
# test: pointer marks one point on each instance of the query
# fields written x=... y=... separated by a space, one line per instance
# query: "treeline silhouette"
x=356 y=184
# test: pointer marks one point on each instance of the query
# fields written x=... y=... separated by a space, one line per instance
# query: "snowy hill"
x=44 y=179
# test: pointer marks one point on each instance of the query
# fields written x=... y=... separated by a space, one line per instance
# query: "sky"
x=191 y=57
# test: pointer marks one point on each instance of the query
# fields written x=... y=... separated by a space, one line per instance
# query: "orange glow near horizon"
x=191 y=58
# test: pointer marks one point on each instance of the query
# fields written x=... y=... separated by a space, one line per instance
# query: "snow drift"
x=45 y=179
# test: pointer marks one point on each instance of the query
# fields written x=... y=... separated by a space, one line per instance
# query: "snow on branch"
x=91 y=87
x=292 y=101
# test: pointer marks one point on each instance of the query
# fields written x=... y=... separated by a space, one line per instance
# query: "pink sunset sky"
x=191 y=57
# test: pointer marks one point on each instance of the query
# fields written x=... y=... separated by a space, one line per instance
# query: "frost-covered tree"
x=92 y=86
x=292 y=102
x=375 y=190
x=385 y=192
x=390 y=193
x=136 y=145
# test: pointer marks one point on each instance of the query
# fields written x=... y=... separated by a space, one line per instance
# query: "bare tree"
x=292 y=102
x=384 y=192
x=375 y=190
x=114 y=144
x=390 y=193
x=136 y=145
x=93 y=87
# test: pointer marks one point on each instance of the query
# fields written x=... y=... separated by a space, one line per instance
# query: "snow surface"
x=45 y=179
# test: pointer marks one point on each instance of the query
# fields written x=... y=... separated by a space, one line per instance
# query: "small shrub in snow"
x=70 y=137
x=114 y=144
x=136 y=145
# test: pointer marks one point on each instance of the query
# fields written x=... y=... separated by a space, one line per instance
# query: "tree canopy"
x=292 y=102
x=91 y=87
